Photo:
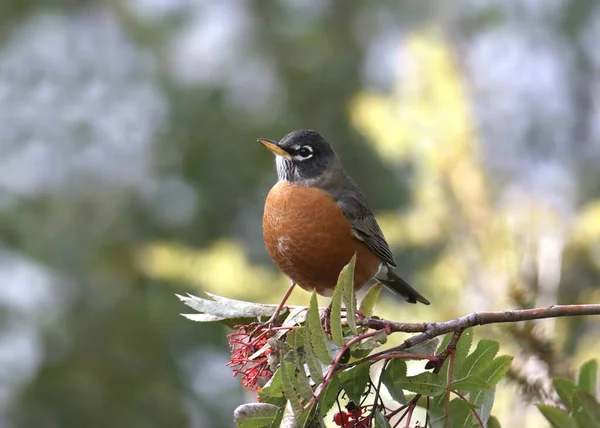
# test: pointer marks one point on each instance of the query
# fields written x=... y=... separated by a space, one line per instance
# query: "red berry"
x=340 y=418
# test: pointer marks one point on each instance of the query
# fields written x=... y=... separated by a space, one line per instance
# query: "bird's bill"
x=273 y=147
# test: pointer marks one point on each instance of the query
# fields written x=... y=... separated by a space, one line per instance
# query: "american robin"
x=316 y=218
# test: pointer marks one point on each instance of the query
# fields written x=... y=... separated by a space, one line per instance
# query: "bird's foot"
x=265 y=326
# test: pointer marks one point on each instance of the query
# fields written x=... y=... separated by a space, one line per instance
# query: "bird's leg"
x=274 y=320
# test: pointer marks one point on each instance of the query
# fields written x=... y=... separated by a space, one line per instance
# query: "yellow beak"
x=273 y=147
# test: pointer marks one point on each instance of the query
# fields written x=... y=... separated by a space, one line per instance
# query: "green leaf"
x=355 y=380
x=493 y=422
x=308 y=418
x=315 y=367
x=335 y=318
x=395 y=371
x=301 y=382
x=346 y=282
x=368 y=302
x=470 y=383
x=287 y=381
x=254 y=415
x=461 y=415
x=480 y=358
x=496 y=370
x=485 y=401
x=558 y=418
x=329 y=395
x=289 y=418
x=274 y=387
x=381 y=421
x=463 y=346
x=491 y=374
x=314 y=331
x=424 y=383
x=565 y=390
x=586 y=410
x=276 y=422
x=588 y=374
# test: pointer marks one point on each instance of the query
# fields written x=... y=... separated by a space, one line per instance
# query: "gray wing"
x=356 y=209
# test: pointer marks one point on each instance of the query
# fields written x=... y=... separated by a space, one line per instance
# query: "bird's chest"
x=310 y=239
x=299 y=220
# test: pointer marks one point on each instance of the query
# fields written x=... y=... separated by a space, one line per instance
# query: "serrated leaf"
x=335 y=318
x=436 y=410
x=314 y=331
x=308 y=418
x=254 y=415
x=315 y=368
x=276 y=422
x=588 y=374
x=329 y=395
x=289 y=418
x=491 y=374
x=424 y=383
x=368 y=302
x=470 y=383
x=301 y=382
x=480 y=358
x=381 y=421
x=485 y=401
x=461 y=415
x=395 y=371
x=463 y=346
x=565 y=390
x=496 y=370
x=287 y=382
x=227 y=308
x=558 y=418
x=346 y=282
x=354 y=381
x=274 y=387
x=586 y=410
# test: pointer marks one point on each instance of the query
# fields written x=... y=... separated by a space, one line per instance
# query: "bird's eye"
x=305 y=152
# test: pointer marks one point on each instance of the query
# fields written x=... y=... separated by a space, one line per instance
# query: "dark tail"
x=400 y=286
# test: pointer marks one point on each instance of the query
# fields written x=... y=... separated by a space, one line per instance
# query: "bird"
x=316 y=218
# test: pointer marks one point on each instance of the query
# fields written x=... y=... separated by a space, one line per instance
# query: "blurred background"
x=129 y=171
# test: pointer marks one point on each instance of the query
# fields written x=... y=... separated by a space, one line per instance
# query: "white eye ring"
x=303 y=153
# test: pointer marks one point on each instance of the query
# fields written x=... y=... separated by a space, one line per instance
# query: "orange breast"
x=310 y=240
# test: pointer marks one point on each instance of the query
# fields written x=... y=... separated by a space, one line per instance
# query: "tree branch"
x=430 y=330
